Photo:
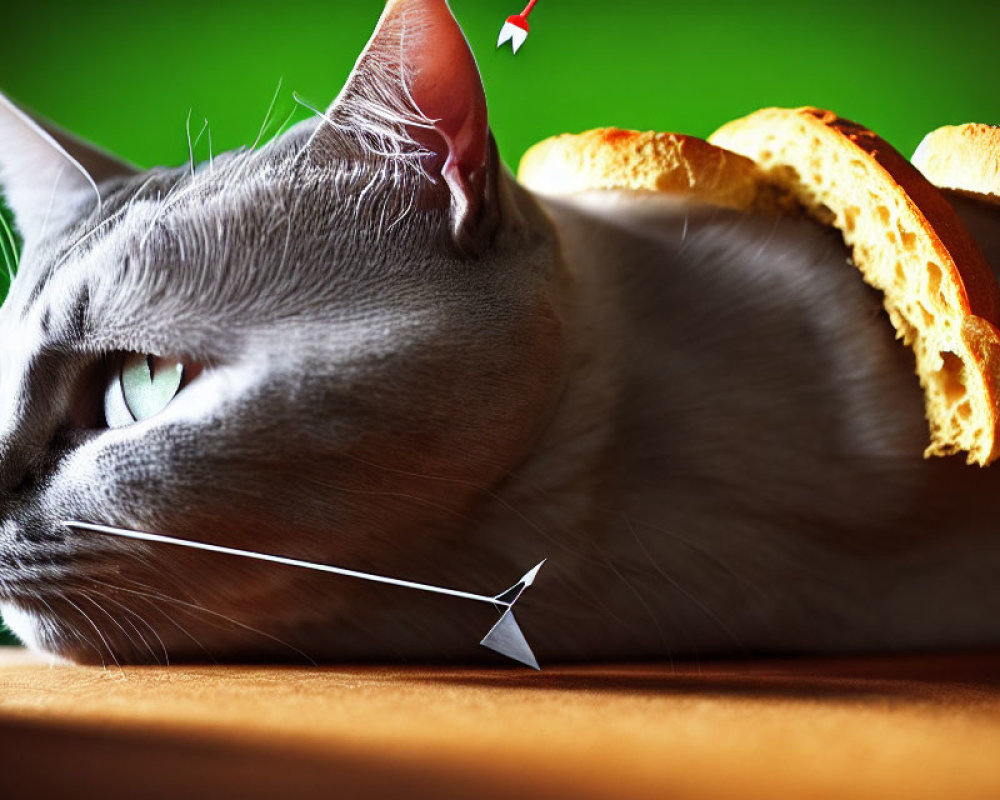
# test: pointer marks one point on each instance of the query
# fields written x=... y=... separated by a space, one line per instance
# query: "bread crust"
x=958 y=295
x=982 y=338
x=613 y=158
x=964 y=157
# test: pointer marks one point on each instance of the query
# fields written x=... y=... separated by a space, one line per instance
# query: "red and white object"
x=515 y=29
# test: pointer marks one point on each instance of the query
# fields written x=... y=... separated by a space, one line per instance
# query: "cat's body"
x=737 y=463
x=400 y=361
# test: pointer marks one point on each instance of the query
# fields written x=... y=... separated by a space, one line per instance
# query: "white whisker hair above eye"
x=187 y=131
x=268 y=113
x=197 y=139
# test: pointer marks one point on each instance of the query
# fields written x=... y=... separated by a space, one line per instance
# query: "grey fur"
x=700 y=417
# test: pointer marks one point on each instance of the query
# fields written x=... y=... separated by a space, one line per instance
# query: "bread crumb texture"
x=938 y=290
x=964 y=157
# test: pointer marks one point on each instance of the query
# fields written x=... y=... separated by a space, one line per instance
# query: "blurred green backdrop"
x=127 y=75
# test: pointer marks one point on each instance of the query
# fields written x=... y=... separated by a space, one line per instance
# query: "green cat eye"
x=142 y=387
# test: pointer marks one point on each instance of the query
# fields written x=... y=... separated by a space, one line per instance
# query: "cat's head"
x=331 y=347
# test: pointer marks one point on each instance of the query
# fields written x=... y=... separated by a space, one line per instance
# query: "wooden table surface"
x=885 y=727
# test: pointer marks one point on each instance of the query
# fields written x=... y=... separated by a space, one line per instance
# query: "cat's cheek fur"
x=30 y=628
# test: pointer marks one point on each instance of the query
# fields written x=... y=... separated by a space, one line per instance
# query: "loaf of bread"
x=908 y=242
x=611 y=158
x=963 y=157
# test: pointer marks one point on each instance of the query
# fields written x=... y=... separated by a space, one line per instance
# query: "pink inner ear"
x=446 y=87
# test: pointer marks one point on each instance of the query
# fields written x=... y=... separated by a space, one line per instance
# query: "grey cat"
x=365 y=344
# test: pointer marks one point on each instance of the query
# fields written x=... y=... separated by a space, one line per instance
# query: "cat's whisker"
x=108 y=598
x=150 y=593
x=148 y=597
x=267 y=116
x=97 y=630
x=298 y=99
x=195 y=607
x=152 y=628
x=247 y=156
x=183 y=630
x=158 y=608
x=505 y=637
x=201 y=132
x=187 y=129
x=193 y=147
x=83 y=594
x=133 y=613
x=284 y=125
x=84 y=640
x=128 y=637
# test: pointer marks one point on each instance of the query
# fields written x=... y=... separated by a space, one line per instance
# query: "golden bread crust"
x=612 y=158
x=981 y=338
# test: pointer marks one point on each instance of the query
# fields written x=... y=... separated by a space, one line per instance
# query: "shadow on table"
x=931 y=677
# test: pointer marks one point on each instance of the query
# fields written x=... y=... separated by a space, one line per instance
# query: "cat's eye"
x=141 y=386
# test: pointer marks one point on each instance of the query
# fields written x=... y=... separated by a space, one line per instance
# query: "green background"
x=127 y=75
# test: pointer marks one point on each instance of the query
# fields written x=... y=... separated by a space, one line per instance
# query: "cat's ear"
x=415 y=95
x=44 y=170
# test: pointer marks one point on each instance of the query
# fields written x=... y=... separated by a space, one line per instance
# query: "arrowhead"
x=512 y=33
x=509 y=596
x=531 y=574
x=518 y=36
x=506 y=639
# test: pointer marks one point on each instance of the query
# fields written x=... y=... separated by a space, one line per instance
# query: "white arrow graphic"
x=505 y=637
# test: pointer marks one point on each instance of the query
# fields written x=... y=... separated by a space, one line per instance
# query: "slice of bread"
x=908 y=242
x=963 y=157
x=611 y=158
